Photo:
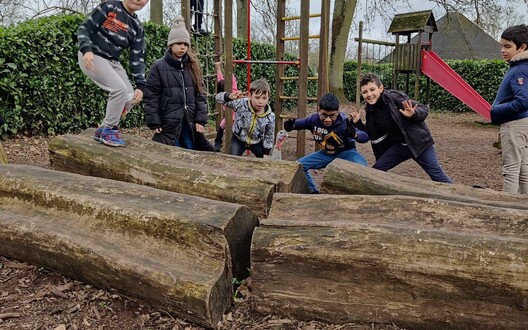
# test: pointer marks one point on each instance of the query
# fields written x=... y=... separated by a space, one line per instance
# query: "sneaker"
x=98 y=133
x=111 y=137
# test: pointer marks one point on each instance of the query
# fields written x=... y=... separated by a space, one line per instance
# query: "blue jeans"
x=321 y=159
x=428 y=160
x=238 y=147
x=186 y=138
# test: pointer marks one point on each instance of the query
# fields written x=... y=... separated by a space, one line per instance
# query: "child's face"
x=259 y=100
x=328 y=116
x=509 y=49
x=179 y=49
x=371 y=92
x=134 y=5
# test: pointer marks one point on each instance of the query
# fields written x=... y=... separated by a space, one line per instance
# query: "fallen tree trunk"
x=242 y=180
x=343 y=177
x=174 y=251
x=418 y=263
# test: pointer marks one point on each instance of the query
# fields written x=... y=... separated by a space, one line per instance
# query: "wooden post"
x=228 y=74
x=358 y=70
x=279 y=83
x=303 y=74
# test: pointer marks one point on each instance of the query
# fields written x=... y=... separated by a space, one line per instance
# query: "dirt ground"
x=35 y=298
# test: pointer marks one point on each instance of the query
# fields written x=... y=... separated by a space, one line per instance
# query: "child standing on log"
x=112 y=27
x=510 y=110
x=254 y=126
x=175 y=104
x=397 y=129
x=333 y=132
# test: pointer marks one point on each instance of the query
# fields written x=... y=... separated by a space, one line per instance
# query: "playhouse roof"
x=458 y=38
x=418 y=21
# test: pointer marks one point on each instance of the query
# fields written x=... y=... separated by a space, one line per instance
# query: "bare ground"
x=36 y=298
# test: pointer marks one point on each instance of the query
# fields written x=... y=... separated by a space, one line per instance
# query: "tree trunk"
x=418 y=263
x=156 y=11
x=241 y=19
x=174 y=251
x=3 y=157
x=343 y=177
x=242 y=180
x=341 y=22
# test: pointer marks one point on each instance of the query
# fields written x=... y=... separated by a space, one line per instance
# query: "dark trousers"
x=238 y=147
x=428 y=160
x=202 y=143
x=197 y=6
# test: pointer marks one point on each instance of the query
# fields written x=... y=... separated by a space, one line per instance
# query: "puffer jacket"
x=414 y=129
x=511 y=102
x=172 y=99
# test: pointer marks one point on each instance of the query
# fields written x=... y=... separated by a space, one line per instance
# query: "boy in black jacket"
x=397 y=134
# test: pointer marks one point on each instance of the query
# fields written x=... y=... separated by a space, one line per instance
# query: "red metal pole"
x=248 y=43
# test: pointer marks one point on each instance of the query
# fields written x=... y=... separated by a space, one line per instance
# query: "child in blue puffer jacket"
x=510 y=110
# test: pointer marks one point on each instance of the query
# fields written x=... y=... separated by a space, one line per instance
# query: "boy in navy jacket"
x=333 y=132
x=510 y=110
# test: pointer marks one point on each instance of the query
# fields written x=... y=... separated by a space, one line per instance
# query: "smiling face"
x=371 y=92
x=509 y=49
x=328 y=116
x=134 y=5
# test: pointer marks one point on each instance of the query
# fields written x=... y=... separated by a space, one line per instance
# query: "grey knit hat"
x=178 y=32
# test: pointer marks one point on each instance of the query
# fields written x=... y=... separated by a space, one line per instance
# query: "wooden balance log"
x=415 y=262
x=176 y=252
x=343 y=177
x=242 y=180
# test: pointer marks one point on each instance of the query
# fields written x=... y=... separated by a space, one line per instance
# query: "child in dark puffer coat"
x=175 y=104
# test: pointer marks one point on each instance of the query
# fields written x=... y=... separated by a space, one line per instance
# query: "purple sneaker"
x=111 y=137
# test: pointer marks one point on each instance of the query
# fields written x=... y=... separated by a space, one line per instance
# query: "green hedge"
x=44 y=92
x=484 y=76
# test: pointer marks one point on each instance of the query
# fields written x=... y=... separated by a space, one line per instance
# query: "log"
x=241 y=180
x=173 y=251
x=343 y=177
x=3 y=157
x=418 y=263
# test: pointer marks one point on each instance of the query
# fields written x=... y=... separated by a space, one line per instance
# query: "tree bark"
x=176 y=252
x=242 y=19
x=242 y=180
x=343 y=177
x=156 y=11
x=3 y=157
x=418 y=263
x=341 y=22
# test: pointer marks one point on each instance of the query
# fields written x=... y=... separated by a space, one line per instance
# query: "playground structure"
x=419 y=58
x=226 y=48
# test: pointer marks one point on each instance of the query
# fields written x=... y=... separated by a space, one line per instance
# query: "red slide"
x=441 y=73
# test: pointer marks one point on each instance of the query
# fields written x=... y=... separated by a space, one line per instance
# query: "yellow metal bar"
x=297 y=78
x=298 y=38
x=292 y=18
x=296 y=98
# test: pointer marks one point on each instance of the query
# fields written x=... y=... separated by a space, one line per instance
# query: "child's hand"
x=354 y=115
x=138 y=96
x=156 y=130
x=88 y=60
x=237 y=95
x=266 y=156
x=408 y=109
x=199 y=128
x=288 y=125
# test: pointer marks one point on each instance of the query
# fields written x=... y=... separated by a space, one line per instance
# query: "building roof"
x=418 y=21
x=458 y=38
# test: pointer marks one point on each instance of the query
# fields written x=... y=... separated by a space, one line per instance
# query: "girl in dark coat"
x=175 y=105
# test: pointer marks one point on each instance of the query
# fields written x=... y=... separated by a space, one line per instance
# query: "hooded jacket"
x=414 y=129
x=511 y=102
x=172 y=99
x=334 y=138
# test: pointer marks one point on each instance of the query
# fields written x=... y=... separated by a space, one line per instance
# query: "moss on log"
x=3 y=157
x=174 y=251
x=242 y=180
x=418 y=263
x=343 y=177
